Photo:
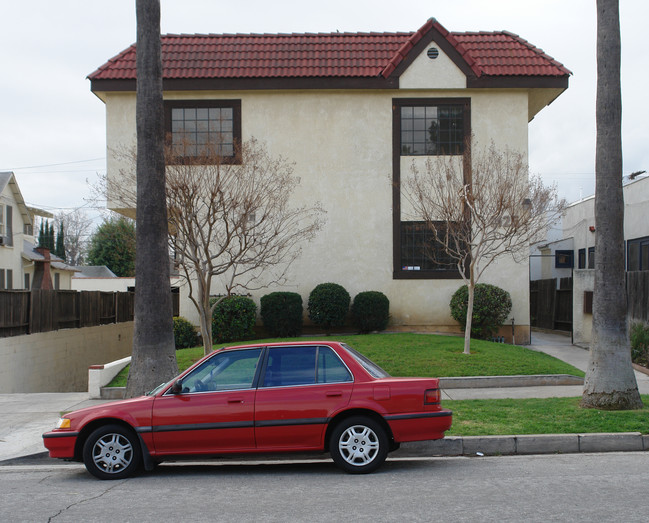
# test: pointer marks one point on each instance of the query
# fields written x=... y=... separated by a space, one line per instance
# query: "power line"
x=52 y=164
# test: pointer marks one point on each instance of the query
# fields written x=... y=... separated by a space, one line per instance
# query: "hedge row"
x=329 y=305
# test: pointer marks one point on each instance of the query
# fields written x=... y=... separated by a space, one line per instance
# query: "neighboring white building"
x=573 y=255
x=353 y=111
x=575 y=246
x=19 y=258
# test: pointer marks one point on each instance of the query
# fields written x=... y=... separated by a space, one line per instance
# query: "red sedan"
x=280 y=397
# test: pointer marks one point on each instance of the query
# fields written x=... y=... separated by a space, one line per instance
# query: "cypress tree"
x=50 y=238
x=41 y=236
x=60 y=245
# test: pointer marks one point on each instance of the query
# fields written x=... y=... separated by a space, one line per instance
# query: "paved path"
x=27 y=416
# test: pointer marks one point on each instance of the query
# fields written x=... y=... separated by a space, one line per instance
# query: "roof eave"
x=251 y=84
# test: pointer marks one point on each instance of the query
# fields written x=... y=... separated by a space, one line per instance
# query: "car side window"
x=330 y=368
x=228 y=370
x=290 y=366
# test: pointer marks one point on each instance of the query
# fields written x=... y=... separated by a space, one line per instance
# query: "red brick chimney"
x=42 y=276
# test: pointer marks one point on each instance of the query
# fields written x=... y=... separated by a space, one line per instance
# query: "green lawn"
x=406 y=354
x=540 y=416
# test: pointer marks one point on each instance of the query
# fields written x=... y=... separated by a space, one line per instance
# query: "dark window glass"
x=330 y=368
x=432 y=130
x=372 y=368
x=633 y=256
x=290 y=366
x=591 y=257
x=204 y=129
x=229 y=370
x=582 y=258
x=420 y=251
x=563 y=259
x=638 y=254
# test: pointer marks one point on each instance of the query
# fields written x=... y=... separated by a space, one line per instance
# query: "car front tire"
x=112 y=452
x=358 y=445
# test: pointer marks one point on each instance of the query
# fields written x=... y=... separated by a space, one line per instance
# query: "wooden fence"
x=637 y=294
x=551 y=306
x=28 y=312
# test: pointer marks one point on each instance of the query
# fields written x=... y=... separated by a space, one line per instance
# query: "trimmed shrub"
x=370 y=311
x=639 y=334
x=234 y=319
x=281 y=313
x=184 y=333
x=328 y=305
x=491 y=306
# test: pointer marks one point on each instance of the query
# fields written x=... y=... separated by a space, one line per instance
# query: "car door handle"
x=235 y=400
x=334 y=393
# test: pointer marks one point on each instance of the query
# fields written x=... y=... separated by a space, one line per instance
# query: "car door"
x=214 y=412
x=302 y=387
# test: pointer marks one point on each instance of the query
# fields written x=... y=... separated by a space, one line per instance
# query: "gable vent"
x=433 y=53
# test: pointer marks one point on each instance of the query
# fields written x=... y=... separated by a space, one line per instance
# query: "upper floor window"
x=563 y=259
x=591 y=257
x=203 y=130
x=432 y=130
x=6 y=224
x=582 y=259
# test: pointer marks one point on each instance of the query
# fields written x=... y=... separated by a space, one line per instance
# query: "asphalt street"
x=575 y=488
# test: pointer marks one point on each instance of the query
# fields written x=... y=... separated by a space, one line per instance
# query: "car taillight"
x=432 y=397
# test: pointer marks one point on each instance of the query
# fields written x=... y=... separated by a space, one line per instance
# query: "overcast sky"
x=52 y=128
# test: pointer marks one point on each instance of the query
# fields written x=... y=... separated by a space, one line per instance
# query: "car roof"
x=305 y=343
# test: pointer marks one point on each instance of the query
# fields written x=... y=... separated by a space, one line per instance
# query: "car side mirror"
x=177 y=387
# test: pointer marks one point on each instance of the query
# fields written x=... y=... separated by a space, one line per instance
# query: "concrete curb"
x=483 y=382
x=526 y=444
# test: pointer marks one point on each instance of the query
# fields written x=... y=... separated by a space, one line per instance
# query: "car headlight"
x=63 y=423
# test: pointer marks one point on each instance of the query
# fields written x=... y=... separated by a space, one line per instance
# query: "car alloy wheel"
x=359 y=445
x=112 y=452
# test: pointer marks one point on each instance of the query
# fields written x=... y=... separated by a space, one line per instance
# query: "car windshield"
x=371 y=367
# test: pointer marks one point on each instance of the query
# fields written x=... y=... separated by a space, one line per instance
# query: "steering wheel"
x=199 y=386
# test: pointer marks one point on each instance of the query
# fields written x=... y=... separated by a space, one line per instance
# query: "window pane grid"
x=432 y=130
x=199 y=131
x=420 y=251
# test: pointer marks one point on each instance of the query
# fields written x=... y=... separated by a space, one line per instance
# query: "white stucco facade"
x=341 y=141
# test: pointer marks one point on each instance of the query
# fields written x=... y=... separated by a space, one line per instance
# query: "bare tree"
x=610 y=381
x=235 y=224
x=232 y=226
x=78 y=227
x=154 y=355
x=480 y=213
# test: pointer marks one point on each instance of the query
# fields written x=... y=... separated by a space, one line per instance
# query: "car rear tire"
x=358 y=445
x=112 y=452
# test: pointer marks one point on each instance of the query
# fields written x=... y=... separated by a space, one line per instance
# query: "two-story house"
x=353 y=111
x=22 y=263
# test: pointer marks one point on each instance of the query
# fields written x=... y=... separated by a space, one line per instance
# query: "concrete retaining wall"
x=58 y=361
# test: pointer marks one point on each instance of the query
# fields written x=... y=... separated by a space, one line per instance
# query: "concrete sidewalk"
x=27 y=416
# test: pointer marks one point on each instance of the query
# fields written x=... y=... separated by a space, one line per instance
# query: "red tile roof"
x=348 y=55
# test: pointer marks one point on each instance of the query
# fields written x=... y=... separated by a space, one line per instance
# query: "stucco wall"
x=582 y=324
x=58 y=361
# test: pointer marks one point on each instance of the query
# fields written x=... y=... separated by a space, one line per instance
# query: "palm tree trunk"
x=154 y=356
x=610 y=381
